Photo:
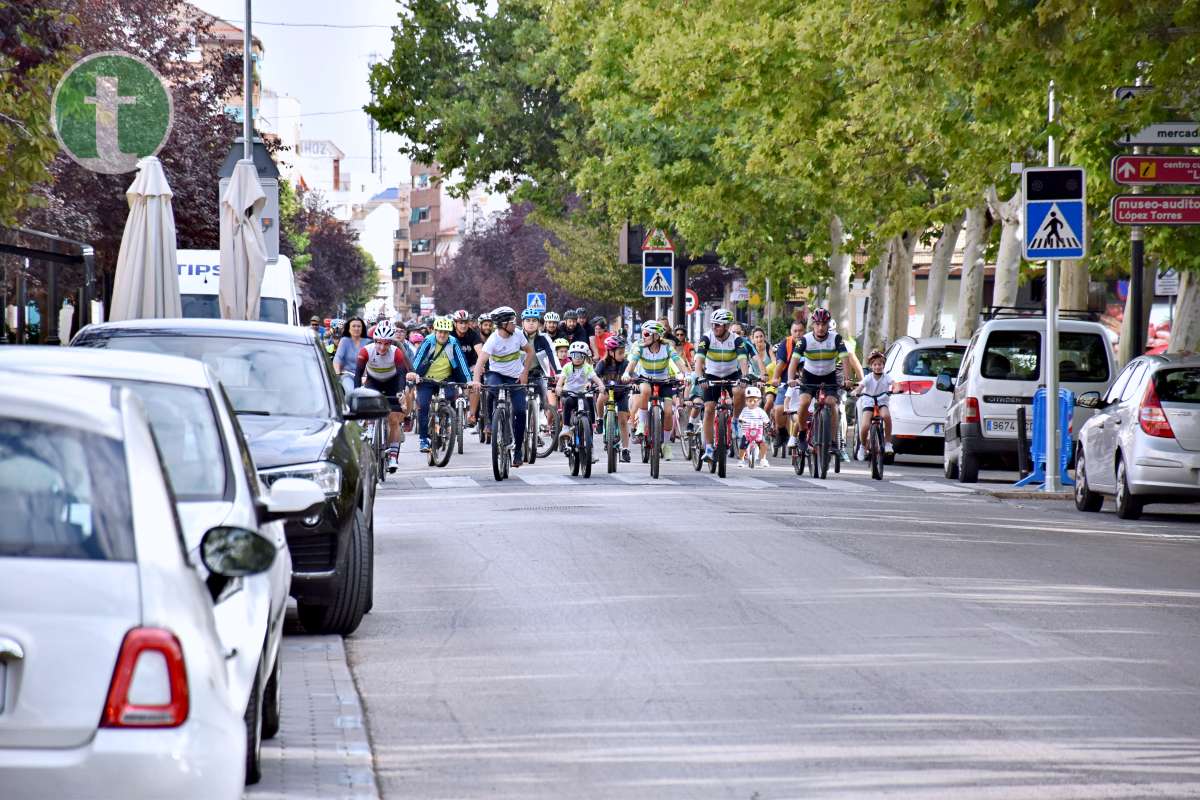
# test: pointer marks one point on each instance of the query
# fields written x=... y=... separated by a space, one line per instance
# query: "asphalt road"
x=767 y=637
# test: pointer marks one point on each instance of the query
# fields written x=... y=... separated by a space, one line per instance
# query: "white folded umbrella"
x=243 y=248
x=147 y=279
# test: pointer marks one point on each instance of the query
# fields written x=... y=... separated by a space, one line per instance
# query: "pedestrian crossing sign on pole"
x=535 y=301
x=1053 y=213
x=658 y=274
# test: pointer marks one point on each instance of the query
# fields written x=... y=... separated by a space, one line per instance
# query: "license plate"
x=1005 y=426
x=938 y=428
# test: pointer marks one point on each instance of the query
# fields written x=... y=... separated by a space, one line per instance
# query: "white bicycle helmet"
x=384 y=331
x=722 y=316
x=754 y=391
x=579 y=349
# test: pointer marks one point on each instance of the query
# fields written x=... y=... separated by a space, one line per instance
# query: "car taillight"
x=913 y=387
x=149 y=687
x=971 y=414
x=1151 y=416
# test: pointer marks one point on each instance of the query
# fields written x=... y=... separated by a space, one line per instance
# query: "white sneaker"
x=742 y=463
x=888 y=450
x=762 y=462
x=791 y=441
x=861 y=455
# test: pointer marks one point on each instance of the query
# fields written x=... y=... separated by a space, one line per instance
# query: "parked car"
x=206 y=457
x=918 y=406
x=1143 y=444
x=1000 y=372
x=298 y=424
x=112 y=673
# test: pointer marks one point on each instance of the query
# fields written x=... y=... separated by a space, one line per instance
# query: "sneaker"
x=516 y=462
x=393 y=460
x=861 y=455
x=743 y=463
x=625 y=457
x=424 y=445
x=666 y=452
x=762 y=462
x=845 y=456
x=888 y=450
x=708 y=454
x=791 y=442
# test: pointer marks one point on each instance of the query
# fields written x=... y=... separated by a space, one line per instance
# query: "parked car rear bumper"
x=1165 y=473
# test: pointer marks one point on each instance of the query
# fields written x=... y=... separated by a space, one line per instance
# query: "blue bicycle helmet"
x=531 y=313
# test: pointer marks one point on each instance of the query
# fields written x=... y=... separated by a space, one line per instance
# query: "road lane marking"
x=452 y=482
x=544 y=480
x=642 y=480
x=835 y=485
x=934 y=487
x=741 y=483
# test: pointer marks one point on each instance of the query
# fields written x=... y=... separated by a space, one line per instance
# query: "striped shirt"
x=820 y=356
x=654 y=364
x=721 y=355
x=506 y=353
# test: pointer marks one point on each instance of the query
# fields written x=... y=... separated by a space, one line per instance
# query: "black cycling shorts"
x=809 y=382
x=665 y=390
x=713 y=393
x=390 y=388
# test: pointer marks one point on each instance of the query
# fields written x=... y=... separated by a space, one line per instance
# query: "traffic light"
x=398 y=268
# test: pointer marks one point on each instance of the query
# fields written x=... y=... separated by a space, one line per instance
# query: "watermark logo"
x=110 y=110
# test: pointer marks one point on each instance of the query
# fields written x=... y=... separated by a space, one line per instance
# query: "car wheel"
x=371 y=571
x=254 y=732
x=344 y=614
x=1128 y=506
x=968 y=466
x=949 y=464
x=1085 y=498
x=273 y=700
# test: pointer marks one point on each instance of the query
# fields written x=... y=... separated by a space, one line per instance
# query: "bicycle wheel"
x=584 y=434
x=548 y=443
x=380 y=445
x=533 y=411
x=721 y=452
x=481 y=422
x=824 y=443
x=573 y=453
x=697 y=452
x=499 y=451
x=655 y=435
x=798 y=460
x=877 y=450
x=612 y=439
x=441 y=449
x=460 y=426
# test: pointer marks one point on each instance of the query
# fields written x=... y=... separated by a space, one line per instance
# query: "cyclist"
x=820 y=351
x=550 y=324
x=652 y=360
x=576 y=376
x=610 y=370
x=486 y=325
x=471 y=343
x=754 y=422
x=506 y=359
x=574 y=326
x=439 y=358
x=383 y=363
x=545 y=361
x=875 y=383
x=791 y=397
x=720 y=356
x=561 y=348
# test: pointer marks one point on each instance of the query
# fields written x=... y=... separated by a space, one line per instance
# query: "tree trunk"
x=899 y=285
x=839 y=282
x=1073 y=286
x=876 y=300
x=1185 y=330
x=970 y=288
x=935 y=291
x=1124 y=351
x=1008 y=259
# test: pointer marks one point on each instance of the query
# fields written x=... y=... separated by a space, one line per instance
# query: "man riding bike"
x=486 y=325
x=506 y=359
x=439 y=359
x=720 y=356
x=545 y=362
x=384 y=364
x=471 y=343
x=652 y=360
x=820 y=351
x=550 y=321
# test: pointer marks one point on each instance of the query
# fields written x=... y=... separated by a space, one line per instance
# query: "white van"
x=199 y=278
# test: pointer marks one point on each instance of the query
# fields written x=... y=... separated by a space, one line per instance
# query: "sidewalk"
x=321 y=751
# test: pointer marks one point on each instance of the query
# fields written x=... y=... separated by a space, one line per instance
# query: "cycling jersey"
x=654 y=364
x=576 y=379
x=820 y=355
x=721 y=355
x=467 y=342
x=506 y=354
x=379 y=366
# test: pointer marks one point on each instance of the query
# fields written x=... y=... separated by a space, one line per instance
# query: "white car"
x=917 y=406
x=1143 y=444
x=112 y=675
x=214 y=483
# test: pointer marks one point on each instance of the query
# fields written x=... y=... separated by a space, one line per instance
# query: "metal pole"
x=1052 y=341
x=770 y=312
x=657 y=308
x=247 y=91
x=1137 y=266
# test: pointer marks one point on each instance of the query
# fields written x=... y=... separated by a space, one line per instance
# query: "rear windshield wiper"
x=253 y=412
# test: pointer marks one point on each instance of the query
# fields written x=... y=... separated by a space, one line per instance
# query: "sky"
x=325 y=68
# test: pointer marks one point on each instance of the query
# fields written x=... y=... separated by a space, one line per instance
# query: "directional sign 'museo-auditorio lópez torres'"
x=1156 y=209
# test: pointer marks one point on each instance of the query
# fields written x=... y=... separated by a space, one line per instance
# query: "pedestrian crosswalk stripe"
x=834 y=485
x=535 y=479
x=641 y=479
x=935 y=487
x=452 y=482
x=742 y=483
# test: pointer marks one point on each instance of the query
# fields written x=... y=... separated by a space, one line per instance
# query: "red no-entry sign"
x=1156 y=209
x=1150 y=170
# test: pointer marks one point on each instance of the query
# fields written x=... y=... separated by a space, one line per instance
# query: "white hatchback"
x=112 y=674
x=917 y=406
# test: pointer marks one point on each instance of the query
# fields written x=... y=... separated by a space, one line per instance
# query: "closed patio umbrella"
x=147 y=280
x=243 y=248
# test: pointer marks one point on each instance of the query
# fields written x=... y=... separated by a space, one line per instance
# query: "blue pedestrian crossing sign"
x=1053 y=213
x=658 y=273
x=535 y=300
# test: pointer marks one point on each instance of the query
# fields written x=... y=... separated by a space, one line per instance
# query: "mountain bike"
x=541 y=434
x=820 y=441
x=722 y=428
x=461 y=406
x=653 y=440
x=579 y=448
x=483 y=420
x=443 y=424
x=875 y=438
x=612 y=424
x=376 y=433
x=502 y=430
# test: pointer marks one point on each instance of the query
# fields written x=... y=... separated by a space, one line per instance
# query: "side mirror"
x=364 y=403
x=289 y=498
x=1089 y=400
x=945 y=382
x=236 y=552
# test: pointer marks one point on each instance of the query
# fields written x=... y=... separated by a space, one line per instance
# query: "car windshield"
x=1017 y=356
x=933 y=361
x=185 y=424
x=65 y=493
x=204 y=306
x=1178 y=385
x=262 y=376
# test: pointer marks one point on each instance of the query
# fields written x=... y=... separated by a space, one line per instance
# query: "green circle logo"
x=110 y=110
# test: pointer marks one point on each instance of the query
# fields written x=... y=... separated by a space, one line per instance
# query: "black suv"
x=297 y=422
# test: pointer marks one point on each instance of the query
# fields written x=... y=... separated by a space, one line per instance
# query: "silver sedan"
x=1143 y=444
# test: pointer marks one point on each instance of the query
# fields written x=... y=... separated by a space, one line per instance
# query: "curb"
x=1026 y=494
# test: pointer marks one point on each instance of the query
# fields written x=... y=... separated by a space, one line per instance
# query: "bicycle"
x=612 y=427
x=502 y=430
x=819 y=440
x=875 y=438
x=443 y=425
x=653 y=440
x=376 y=434
x=541 y=437
x=579 y=450
x=483 y=420
x=460 y=419
x=722 y=428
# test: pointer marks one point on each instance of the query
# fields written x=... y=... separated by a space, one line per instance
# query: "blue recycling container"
x=1037 y=442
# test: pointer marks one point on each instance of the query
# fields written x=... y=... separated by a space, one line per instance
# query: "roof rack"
x=1015 y=312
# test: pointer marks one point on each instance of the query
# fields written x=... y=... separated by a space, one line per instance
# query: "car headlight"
x=323 y=473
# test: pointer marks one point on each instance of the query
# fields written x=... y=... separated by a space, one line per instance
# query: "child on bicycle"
x=874 y=383
x=576 y=377
x=754 y=421
x=560 y=351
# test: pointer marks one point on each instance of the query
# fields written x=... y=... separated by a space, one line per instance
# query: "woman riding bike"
x=652 y=359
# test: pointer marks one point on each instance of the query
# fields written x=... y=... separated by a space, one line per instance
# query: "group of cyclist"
x=572 y=358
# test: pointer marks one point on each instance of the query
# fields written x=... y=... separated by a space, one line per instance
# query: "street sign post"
x=1166 y=283
x=1139 y=170
x=658 y=273
x=691 y=301
x=535 y=300
x=1164 y=134
x=1053 y=213
x=1156 y=209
